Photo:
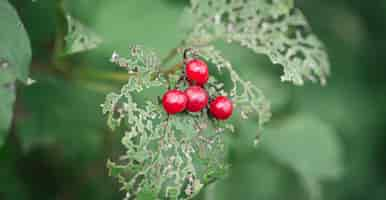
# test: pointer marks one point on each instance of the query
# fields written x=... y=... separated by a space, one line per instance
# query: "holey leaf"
x=247 y=97
x=274 y=28
x=15 y=57
x=79 y=38
x=171 y=157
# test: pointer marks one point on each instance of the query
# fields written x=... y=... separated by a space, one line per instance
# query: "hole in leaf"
x=3 y=64
x=82 y=40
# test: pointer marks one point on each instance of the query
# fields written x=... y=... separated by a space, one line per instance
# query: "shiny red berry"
x=174 y=101
x=197 y=98
x=197 y=71
x=221 y=108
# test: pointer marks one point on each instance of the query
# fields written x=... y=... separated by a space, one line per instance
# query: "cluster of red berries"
x=195 y=98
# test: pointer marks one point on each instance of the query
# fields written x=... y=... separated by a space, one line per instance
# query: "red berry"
x=197 y=71
x=221 y=108
x=174 y=101
x=197 y=98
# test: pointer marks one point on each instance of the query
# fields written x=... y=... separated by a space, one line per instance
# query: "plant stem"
x=173 y=53
x=170 y=56
x=172 y=69
x=104 y=75
x=86 y=74
x=60 y=30
x=59 y=62
x=120 y=76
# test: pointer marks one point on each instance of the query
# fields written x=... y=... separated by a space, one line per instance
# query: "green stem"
x=58 y=61
x=170 y=56
x=172 y=69
x=104 y=75
x=119 y=76
x=85 y=74
x=61 y=26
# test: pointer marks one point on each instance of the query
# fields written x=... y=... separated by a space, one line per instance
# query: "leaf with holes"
x=166 y=156
x=79 y=37
x=274 y=28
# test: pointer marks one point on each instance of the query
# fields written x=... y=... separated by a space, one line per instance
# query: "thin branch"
x=170 y=56
x=173 y=69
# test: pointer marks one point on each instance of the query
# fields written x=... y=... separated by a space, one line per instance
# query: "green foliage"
x=58 y=132
x=13 y=187
x=15 y=57
x=306 y=132
x=15 y=50
x=60 y=117
x=79 y=38
x=247 y=96
x=168 y=157
x=273 y=28
x=255 y=175
x=160 y=152
x=7 y=93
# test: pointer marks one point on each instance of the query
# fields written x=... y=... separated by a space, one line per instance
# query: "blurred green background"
x=322 y=142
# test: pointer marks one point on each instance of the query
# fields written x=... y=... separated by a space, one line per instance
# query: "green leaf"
x=255 y=176
x=146 y=194
x=272 y=28
x=307 y=145
x=79 y=37
x=15 y=49
x=161 y=151
x=123 y=22
x=15 y=57
x=7 y=94
x=63 y=116
x=11 y=183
